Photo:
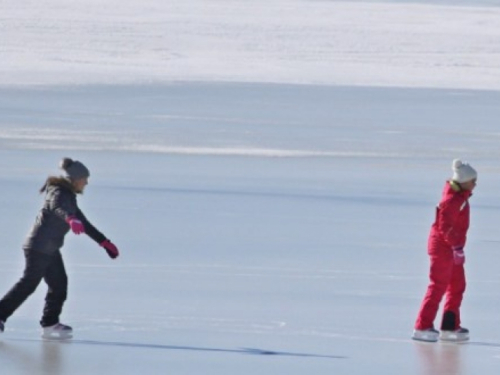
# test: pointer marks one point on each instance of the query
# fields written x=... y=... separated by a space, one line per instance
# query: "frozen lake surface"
x=263 y=228
x=270 y=181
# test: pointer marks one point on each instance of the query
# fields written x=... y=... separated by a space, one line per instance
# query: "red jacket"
x=452 y=218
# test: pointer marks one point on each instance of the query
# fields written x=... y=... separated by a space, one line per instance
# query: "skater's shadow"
x=245 y=351
x=248 y=351
x=481 y=343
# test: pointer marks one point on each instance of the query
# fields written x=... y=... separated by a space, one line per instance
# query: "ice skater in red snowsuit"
x=446 y=251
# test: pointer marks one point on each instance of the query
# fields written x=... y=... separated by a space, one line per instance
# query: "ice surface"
x=265 y=227
x=314 y=259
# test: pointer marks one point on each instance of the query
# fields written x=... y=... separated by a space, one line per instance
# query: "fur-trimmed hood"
x=57 y=181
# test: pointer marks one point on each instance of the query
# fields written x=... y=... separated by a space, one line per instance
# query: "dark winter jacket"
x=47 y=234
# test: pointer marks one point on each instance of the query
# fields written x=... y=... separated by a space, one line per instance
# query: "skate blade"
x=454 y=339
x=424 y=339
x=57 y=337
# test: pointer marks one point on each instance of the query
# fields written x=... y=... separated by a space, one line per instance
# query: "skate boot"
x=429 y=335
x=57 y=332
x=457 y=335
x=2 y=326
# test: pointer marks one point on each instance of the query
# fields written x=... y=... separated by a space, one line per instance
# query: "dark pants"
x=39 y=266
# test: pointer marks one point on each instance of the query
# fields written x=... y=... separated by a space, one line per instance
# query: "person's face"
x=469 y=185
x=80 y=184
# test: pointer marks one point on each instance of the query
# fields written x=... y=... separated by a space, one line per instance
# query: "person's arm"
x=90 y=230
x=63 y=204
x=448 y=213
x=97 y=236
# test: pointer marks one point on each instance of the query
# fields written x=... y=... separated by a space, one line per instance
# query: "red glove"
x=458 y=255
x=110 y=248
x=75 y=225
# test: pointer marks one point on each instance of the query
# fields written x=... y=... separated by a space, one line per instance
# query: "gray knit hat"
x=462 y=172
x=73 y=169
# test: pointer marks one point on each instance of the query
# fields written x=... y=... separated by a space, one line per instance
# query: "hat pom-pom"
x=65 y=163
x=457 y=163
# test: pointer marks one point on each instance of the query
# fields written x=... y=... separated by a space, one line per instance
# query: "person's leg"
x=440 y=277
x=57 y=282
x=454 y=296
x=35 y=267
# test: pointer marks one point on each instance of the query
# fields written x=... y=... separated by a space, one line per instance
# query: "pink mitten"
x=75 y=225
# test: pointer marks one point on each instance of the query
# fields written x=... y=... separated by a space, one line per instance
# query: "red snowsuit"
x=448 y=231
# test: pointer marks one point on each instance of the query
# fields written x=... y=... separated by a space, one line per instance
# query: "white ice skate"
x=458 y=335
x=57 y=332
x=429 y=335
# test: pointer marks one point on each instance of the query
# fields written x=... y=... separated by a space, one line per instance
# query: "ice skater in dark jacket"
x=59 y=215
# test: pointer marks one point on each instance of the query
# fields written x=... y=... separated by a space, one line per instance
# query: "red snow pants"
x=446 y=278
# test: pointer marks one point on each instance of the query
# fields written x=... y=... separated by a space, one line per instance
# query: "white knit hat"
x=462 y=172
